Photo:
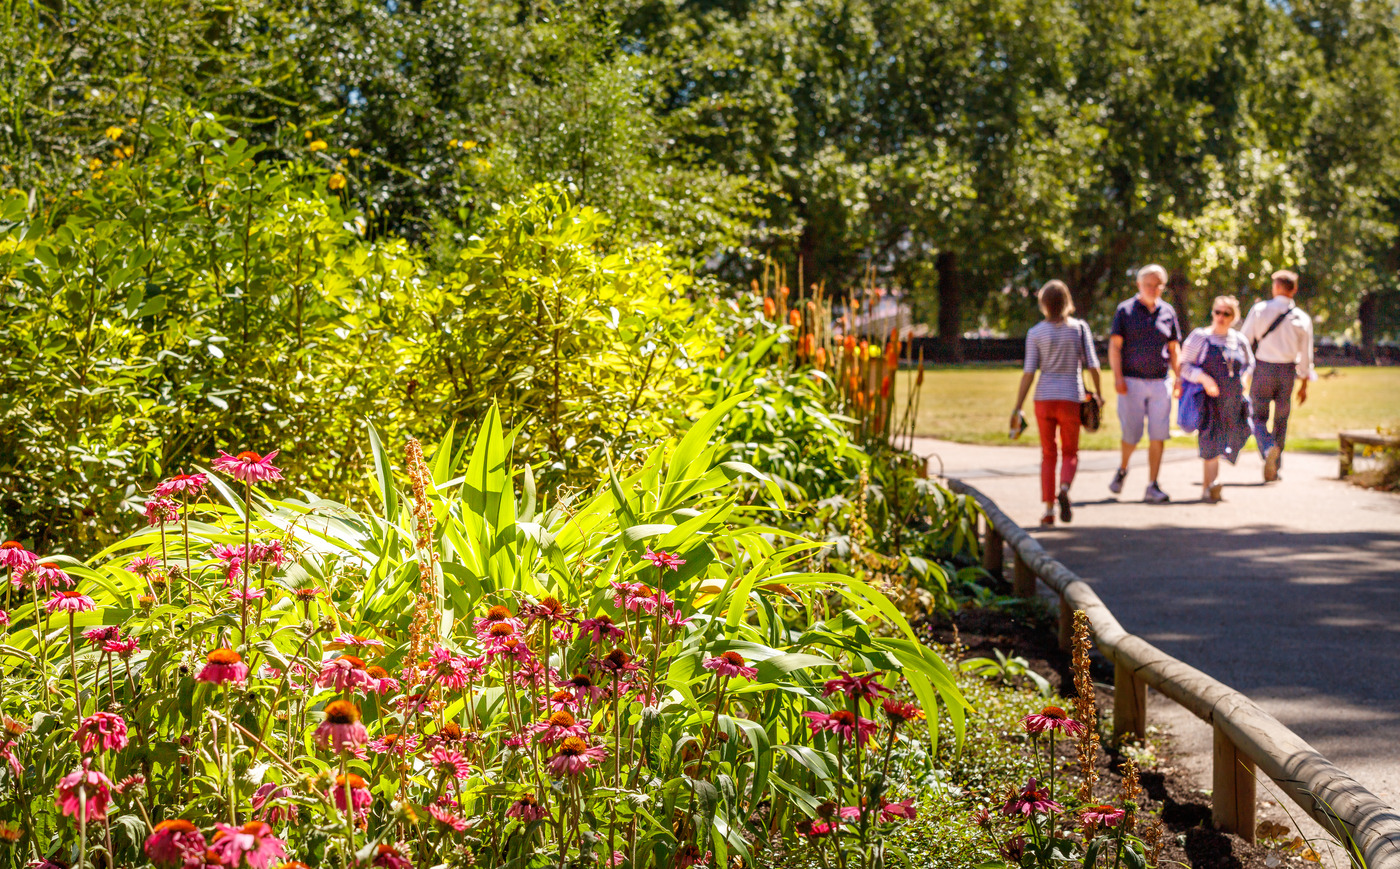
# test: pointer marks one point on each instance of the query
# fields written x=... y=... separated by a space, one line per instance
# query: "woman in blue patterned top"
x=1219 y=359
x=1060 y=348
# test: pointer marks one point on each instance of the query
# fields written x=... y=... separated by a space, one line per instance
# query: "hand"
x=1120 y=385
x=1098 y=396
x=1210 y=386
x=1176 y=388
x=1302 y=393
x=1015 y=420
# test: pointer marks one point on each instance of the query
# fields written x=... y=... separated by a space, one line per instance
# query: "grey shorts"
x=1148 y=400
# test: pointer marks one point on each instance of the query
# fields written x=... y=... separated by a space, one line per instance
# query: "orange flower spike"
x=821 y=360
x=784 y=291
x=795 y=318
x=885 y=387
x=850 y=345
x=770 y=308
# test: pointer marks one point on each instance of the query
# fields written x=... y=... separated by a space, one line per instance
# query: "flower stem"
x=73 y=661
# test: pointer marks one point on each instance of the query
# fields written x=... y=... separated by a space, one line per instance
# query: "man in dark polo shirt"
x=1142 y=348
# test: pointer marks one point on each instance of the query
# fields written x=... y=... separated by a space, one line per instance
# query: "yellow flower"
x=318 y=145
x=452 y=143
x=95 y=163
x=354 y=152
x=308 y=133
x=113 y=133
x=336 y=182
x=468 y=145
x=483 y=164
x=127 y=151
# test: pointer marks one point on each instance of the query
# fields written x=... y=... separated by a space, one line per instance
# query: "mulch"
x=1029 y=632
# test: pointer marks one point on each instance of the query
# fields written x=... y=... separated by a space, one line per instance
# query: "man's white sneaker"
x=1117 y=485
x=1155 y=495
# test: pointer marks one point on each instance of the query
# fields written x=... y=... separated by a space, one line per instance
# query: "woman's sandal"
x=1048 y=520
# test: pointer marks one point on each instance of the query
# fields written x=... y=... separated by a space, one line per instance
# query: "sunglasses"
x=1223 y=313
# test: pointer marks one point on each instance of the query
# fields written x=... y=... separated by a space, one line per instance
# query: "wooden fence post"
x=1023 y=579
x=1232 y=797
x=1129 y=703
x=992 y=554
x=1066 y=625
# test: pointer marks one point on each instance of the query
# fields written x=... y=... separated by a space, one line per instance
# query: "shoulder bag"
x=1190 y=408
x=1254 y=345
x=1089 y=409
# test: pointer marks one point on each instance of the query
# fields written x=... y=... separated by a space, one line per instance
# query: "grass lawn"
x=973 y=404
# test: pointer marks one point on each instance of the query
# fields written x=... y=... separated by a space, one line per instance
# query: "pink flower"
x=676 y=620
x=188 y=483
x=689 y=855
x=101 y=730
x=497 y=615
x=346 y=674
x=223 y=665
x=634 y=597
x=1032 y=800
x=558 y=727
x=388 y=857
x=4 y=619
x=1052 y=718
x=729 y=665
x=856 y=687
x=48 y=575
x=7 y=754
x=452 y=672
x=160 y=510
x=1108 y=816
x=380 y=682
x=251 y=845
x=584 y=688
x=616 y=663
x=122 y=648
x=526 y=809
x=900 y=713
x=355 y=641
x=248 y=466
x=88 y=783
x=575 y=756
x=395 y=743
x=904 y=810
x=142 y=565
x=448 y=819
x=13 y=554
x=176 y=844
x=822 y=828
x=267 y=804
x=843 y=724
x=360 y=797
x=99 y=635
x=69 y=602
x=247 y=593
x=550 y=611
x=341 y=730
x=664 y=560
x=451 y=763
x=600 y=629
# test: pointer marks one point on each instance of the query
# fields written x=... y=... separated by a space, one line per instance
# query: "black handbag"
x=1090 y=411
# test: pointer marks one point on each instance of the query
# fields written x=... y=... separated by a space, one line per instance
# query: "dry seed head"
x=1085 y=709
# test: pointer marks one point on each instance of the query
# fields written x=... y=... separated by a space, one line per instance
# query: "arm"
x=1174 y=361
x=1195 y=342
x=1305 y=362
x=1098 y=387
x=1027 y=378
x=1115 y=361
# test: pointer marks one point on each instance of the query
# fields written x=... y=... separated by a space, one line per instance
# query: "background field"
x=973 y=405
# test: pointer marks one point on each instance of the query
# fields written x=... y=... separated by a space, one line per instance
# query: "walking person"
x=1219 y=358
x=1142 y=349
x=1061 y=348
x=1281 y=336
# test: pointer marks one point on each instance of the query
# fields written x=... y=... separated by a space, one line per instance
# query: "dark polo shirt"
x=1146 y=335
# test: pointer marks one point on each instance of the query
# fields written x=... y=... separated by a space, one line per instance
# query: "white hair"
x=1153 y=269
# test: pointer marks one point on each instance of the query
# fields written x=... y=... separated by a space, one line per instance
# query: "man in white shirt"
x=1282 y=336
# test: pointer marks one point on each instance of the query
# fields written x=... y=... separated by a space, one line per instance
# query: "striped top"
x=1233 y=344
x=1060 y=351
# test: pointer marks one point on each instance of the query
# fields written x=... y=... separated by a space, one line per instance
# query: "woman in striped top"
x=1060 y=348
x=1219 y=359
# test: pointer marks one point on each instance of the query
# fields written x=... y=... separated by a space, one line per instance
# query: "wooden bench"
x=1347 y=441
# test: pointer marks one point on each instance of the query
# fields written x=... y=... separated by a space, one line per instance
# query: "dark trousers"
x=1273 y=382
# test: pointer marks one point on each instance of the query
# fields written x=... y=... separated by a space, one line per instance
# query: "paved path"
x=1288 y=592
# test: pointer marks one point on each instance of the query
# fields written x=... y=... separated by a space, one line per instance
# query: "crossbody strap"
x=1254 y=345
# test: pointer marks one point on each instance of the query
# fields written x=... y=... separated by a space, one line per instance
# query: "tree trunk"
x=1366 y=313
x=950 y=293
x=806 y=259
x=1179 y=294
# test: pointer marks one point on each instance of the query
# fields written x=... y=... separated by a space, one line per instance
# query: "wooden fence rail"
x=1248 y=740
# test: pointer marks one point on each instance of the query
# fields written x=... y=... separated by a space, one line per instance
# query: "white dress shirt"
x=1290 y=343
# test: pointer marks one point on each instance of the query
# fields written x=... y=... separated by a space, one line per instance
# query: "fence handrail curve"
x=1363 y=823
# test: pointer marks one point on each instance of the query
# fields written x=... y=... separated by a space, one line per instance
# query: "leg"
x=1131 y=412
x=1069 y=430
x=1126 y=451
x=1283 y=406
x=1154 y=458
x=1159 y=424
x=1209 y=471
x=1260 y=393
x=1045 y=424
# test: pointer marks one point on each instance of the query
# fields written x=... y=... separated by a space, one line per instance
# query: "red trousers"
x=1063 y=415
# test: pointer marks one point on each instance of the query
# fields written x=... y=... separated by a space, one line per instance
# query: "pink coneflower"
x=101 y=731
x=617 y=859
x=380 y=682
x=903 y=810
x=843 y=724
x=496 y=615
x=450 y=763
x=689 y=855
x=251 y=845
x=600 y=629
x=389 y=857
x=268 y=805
x=7 y=754
x=160 y=510
x=270 y=552
x=395 y=743
x=142 y=565
x=664 y=560
x=516 y=742
x=561 y=700
x=820 y=829
x=616 y=663
x=415 y=703
x=558 y=727
x=122 y=648
x=341 y=730
x=550 y=611
x=100 y=635
x=1052 y=718
x=360 y=797
x=306 y=595
x=575 y=756
x=448 y=819
x=451 y=670
x=69 y=602
x=856 y=687
x=47 y=575
x=346 y=674
x=633 y=596
x=730 y=664
x=190 y=484
x=222 y=666
x=584 y=688
x=4 y=619
x=1107 y=816
x=90 y=784
x=900 y=713
x=15 y=556
x=248 y=466
x=676 y=620
x=1031 y=800
x=176 y=844
x=355 y=641
x=247 y=593
x=526 y=809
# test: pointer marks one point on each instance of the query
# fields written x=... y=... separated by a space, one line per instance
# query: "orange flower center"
x=355 y=781
x=357 y=663
x=224 y=656
x=1053 y=712
x=561 y=696
x=581 y=681
x=342 y=712
x=573 y=747
x=618 y=658
x=734 y=658
x=497 y=613
x=527 y=800
x=844 y=716
x=451 y=730
x=501 y=629
x=179 y=825
x=10 y=544
x=378 y=672
x=561 y=719
x=249 y=456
